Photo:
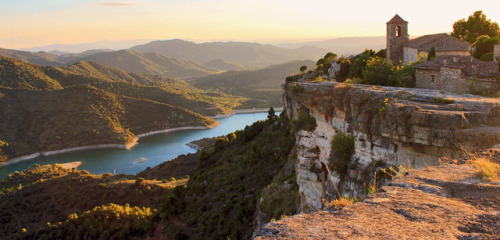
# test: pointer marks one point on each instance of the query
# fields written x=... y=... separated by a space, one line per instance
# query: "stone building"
x=456 y=74
x=400 y=49
x=397 y=38
x=496 y=52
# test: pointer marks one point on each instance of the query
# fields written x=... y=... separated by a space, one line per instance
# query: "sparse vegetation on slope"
x=50 y=202
x=49 y=108
x=223 y=192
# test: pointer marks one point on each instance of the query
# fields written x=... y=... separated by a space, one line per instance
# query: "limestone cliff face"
x=391 y=127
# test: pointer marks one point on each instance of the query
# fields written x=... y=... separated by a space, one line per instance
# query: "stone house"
x=401 y=49
x=496 y=52
x=456 y=73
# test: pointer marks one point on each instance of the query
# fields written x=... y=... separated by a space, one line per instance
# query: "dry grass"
x=486 y=169
x=339 y=203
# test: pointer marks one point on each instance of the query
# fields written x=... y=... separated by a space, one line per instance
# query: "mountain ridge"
x=50 y=108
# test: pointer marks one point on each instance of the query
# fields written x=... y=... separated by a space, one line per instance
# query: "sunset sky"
x=30 y=23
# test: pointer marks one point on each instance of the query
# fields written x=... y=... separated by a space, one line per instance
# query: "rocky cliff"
x=389 y=127
x=443 y=202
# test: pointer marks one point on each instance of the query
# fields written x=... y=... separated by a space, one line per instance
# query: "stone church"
x=453 y=69
x=400 y=49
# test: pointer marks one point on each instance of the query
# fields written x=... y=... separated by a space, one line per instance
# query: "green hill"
x=50 y=202
x=50 y=108
x=263 y=86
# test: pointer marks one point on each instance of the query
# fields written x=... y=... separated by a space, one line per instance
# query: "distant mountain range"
x=343 y=46
x=177 y=58
x=263 y=86
x=251 y=55
x=47 y=108
x=81 y=47
x=151 y=63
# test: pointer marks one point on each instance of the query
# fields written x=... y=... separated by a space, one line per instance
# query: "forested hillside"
x=49 y=108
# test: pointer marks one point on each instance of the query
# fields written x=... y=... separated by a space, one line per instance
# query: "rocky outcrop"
x=391 y=127
x=444 y=202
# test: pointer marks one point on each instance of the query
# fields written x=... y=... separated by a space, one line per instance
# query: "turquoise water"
x=156 y=149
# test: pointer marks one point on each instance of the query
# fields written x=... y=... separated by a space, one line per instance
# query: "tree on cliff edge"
x=476 y=25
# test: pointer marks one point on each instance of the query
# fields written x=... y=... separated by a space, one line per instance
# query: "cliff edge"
x=441 y=202
x=359 y=130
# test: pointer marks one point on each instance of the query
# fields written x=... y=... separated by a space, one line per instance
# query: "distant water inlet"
x=151 y=150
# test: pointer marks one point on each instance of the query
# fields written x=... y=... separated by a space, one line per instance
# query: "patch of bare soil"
x=444 y=202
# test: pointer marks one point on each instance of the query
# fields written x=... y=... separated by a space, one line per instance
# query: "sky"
x=31 y=23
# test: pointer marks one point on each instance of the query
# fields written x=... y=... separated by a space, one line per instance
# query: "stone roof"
x=469 y=68
x=397 y=20
x=442 y=42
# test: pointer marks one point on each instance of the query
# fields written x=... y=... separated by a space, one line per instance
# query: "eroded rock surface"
x=444 y=202
x=391 y=127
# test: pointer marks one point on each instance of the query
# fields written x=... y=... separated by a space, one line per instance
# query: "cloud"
x=118 y=3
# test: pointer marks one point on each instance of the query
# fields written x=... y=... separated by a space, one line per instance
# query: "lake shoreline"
x=248 y=110
x=102 y=146
x=133 y=143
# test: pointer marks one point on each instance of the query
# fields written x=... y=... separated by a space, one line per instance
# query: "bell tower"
x=397 y=37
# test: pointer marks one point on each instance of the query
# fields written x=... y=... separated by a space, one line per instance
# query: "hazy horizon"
x=128 y=43
x=33 y=23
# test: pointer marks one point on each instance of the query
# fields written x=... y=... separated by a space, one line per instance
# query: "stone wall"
x=451 y=80
x=391 y=127
x=496 y=51
x=428 y=79
x=410 y=55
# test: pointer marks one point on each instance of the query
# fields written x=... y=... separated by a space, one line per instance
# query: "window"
x=433 y=78
x=398 y=31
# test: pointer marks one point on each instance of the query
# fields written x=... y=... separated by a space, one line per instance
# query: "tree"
x=476 y=25
x=484 y=47
x=379 y=72
x=432 y=53
x=271 y=115
x=303 y=68
x=345 y=65
x=320 y=61
x=2 y=156
x=359 y=63
x=330 y=57
x=382 y=53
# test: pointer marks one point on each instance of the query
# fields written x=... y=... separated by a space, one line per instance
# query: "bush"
x=342 y=150
x=304 y=122
x=296 y=88
x=345 y=65
x=293 y=78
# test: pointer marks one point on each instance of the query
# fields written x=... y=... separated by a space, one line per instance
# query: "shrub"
x=296 y=88
x=304 y=122
x=293 y=78
x=343 y=149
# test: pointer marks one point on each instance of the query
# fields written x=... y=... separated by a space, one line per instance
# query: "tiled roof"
x=442 y=42
x=397 y=20
x=469 y=68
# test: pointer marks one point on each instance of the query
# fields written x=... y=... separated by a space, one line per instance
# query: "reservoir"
x=151 y=150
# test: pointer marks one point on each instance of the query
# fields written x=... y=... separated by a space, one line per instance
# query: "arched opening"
x=398 y=31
